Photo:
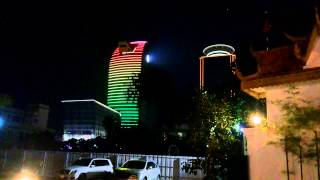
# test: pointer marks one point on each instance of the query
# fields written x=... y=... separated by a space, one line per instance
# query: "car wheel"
x=145 y=178
x=107 y=174
x=82 y=177
x=158 y=178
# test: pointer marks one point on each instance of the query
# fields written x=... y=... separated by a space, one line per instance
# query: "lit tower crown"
x=216 y=50
x=124 y=68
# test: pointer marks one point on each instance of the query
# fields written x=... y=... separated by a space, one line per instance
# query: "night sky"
x=60 y=50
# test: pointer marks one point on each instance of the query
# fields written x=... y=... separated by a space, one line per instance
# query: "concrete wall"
x=266 y=161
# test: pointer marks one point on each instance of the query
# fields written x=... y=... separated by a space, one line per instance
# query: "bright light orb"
x=1 y=122
x=148 y=58
x=238 y=127
x=256 y=119
x=25 y=178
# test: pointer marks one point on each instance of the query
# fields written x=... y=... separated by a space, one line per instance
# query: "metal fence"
x=48 y=163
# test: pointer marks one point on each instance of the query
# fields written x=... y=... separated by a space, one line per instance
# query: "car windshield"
x=134 y=164
x=82 y=162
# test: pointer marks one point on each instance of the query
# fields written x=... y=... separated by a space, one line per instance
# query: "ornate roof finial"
x=266 y=29
x=317 y=18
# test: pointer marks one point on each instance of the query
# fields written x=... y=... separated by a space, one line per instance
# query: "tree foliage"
x=41 y=140
x=5 y=100
x=298 y=132
x=214 y=125
x=112 y=125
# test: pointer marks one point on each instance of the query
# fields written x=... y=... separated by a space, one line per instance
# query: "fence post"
x=23 y=159
x=43 y=164
x=117 y=160
x=176 y=169
x=66 y=161
x=5 y=156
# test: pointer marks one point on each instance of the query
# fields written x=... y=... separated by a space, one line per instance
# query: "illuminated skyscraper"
x=214 y=69
x=124 y=68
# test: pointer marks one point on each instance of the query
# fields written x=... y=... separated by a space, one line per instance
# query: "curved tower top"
x=218 y=50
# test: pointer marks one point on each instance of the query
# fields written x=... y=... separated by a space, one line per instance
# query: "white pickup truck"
x=87 y=168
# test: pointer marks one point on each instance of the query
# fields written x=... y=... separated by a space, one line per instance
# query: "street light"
x=148 y=58
x=238 y=127
x=255 y=119
x=1 y=122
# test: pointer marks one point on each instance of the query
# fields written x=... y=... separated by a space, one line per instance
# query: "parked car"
x=87 y=168
x=138 y=169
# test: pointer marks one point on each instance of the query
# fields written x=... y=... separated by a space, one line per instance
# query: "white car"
x=139 y=170
x=87 y=168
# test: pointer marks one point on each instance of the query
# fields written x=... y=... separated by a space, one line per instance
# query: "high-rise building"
x=83 y=119
x=124 y=69
x=217 y=66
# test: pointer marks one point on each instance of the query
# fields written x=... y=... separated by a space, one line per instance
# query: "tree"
x=112 y=125
x=42 y=140
x=5 y=101
x=299 y=130
x=214 y=133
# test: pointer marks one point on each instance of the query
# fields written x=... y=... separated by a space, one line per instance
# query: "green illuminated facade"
x=125 y=66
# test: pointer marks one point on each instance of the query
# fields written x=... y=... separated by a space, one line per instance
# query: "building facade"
x=218 y=61
x=124 y=70
x=18 y=124
x=83 y=119
x=280 y=69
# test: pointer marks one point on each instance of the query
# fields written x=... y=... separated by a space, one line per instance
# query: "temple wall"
x=267 y=161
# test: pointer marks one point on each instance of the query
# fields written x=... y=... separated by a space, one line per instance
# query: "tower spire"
x=266 y=29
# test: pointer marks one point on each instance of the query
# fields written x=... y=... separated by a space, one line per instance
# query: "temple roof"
x=296 y=62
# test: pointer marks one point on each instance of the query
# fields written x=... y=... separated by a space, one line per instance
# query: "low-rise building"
x=18 y=124
x=83 y=119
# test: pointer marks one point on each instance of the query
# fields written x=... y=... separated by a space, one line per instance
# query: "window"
x=82 y=162
x=134 y=164
x=151 y=165
x=101 y=162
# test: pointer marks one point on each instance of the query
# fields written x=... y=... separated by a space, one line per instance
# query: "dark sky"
x=55 y=50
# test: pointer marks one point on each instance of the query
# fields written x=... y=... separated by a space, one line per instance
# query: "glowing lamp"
x=238 y=127
x=1 y=122
x=148 y=58
x=26 y=174
x=256 y=119
x=25 y=178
